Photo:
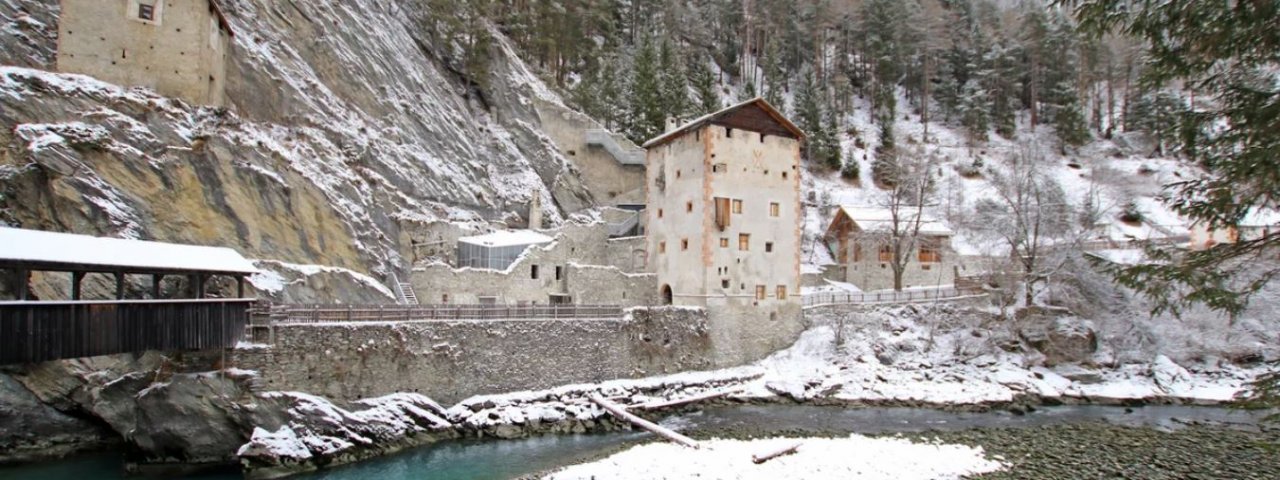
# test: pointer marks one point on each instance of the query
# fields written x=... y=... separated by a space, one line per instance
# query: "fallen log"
x=681 y=401
x=758 y=459
x=659 y=430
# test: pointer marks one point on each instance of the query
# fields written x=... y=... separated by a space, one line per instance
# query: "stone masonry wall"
x=450 y=361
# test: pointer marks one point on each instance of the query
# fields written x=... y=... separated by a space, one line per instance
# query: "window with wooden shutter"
x=774 y=209
x=760 y=292
x=782 y=292
x=737 y=206
x=744 y=241
x=886 y=253
x=722 y=212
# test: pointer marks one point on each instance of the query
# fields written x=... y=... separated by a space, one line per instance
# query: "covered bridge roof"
x=755 y=115
x=51 y=251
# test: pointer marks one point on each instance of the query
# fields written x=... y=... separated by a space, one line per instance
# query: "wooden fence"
x=294 y=313
x=40 y=331
x=908 y=296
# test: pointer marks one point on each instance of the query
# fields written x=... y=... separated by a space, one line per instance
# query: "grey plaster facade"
x=724 y=226
x=180 y=50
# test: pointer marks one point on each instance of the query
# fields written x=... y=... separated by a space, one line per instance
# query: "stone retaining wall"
x=452 y=360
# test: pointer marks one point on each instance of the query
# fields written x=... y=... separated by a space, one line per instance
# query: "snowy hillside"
x=337 y=141
x=1108 y=173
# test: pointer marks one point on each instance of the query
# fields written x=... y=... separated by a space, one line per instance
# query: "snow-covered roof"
x=507 y=238
x=1122 y=256
x=62 y=250
x=872 y=219
x=781 y=124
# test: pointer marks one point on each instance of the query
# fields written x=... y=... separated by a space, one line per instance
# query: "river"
x=503 y=459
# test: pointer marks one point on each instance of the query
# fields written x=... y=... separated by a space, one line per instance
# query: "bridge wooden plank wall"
x=41 y=331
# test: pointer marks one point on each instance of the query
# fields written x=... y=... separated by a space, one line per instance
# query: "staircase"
x=623 y=150
x=626 y=227
x=404 y=291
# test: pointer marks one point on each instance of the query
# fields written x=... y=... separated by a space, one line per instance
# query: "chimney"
x=535 y=211
x=672 y=124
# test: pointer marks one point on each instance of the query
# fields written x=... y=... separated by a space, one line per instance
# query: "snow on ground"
x=898 y=355
x=1107 y=173
x=817 y=458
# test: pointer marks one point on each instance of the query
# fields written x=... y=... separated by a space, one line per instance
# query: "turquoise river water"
x=505 y=459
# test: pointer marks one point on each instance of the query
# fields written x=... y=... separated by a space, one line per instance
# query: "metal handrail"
x=296 y=313
x=854 y=298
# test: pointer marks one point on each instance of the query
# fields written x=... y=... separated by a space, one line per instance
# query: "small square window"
x=684 y=244
x=719 y=168
x=688 y=206
x=533 y=272
x=768 y=247
x=559 y=272
x=774 y=209
x=737 y=206
x=146 y=12
x=760 y=292
x=659 y=213
x=724 y=283
x=782 y=292
x=744 y=242
x=724 y=242
x=662 y=247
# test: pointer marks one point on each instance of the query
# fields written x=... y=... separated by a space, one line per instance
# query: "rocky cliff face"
x=345 y=132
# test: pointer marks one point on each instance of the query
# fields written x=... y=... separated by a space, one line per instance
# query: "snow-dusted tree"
x=673 y=83
x=1068 y=117
x=1031 y=215
x=704 y=85
x=975 y=110
x=913 y=188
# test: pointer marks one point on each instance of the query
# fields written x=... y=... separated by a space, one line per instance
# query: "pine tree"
x=645 y=117
x=704 y=84
x=1068 y=117
x=831 y=155
x=884 y=168
x=975 y=110
x=674 y=84
x=851 y=170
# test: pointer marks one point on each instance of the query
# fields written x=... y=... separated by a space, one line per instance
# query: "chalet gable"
x=754 y=115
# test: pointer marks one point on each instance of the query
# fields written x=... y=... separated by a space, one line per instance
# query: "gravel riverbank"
x=1098 y=450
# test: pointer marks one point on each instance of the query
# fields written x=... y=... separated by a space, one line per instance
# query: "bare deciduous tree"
x=912 y=189
x=1031 y=215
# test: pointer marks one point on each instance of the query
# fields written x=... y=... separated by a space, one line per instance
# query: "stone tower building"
x=177 y=47
x=724 y=225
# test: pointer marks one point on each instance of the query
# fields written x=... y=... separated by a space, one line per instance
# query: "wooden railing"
x=908 y=296
x=295 y=313
x=34 y=331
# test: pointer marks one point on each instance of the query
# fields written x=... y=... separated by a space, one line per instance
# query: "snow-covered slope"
x=1108 y=173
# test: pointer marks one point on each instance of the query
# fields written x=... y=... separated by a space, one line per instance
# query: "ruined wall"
x=577 y=251
x=627 y=254
x=610 y=182
x=450 y=361
x=605 y=285
x=182 y=53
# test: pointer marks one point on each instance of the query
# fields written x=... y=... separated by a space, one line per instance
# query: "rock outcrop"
x=336 y=143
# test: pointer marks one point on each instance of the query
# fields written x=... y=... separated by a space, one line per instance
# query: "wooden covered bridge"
x=36 y=330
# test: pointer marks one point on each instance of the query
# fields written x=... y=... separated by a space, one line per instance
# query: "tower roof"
x=755 y=115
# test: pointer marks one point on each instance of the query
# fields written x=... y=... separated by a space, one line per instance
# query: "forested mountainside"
x=347 y=127
x=976 y=64
x=352 y=123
